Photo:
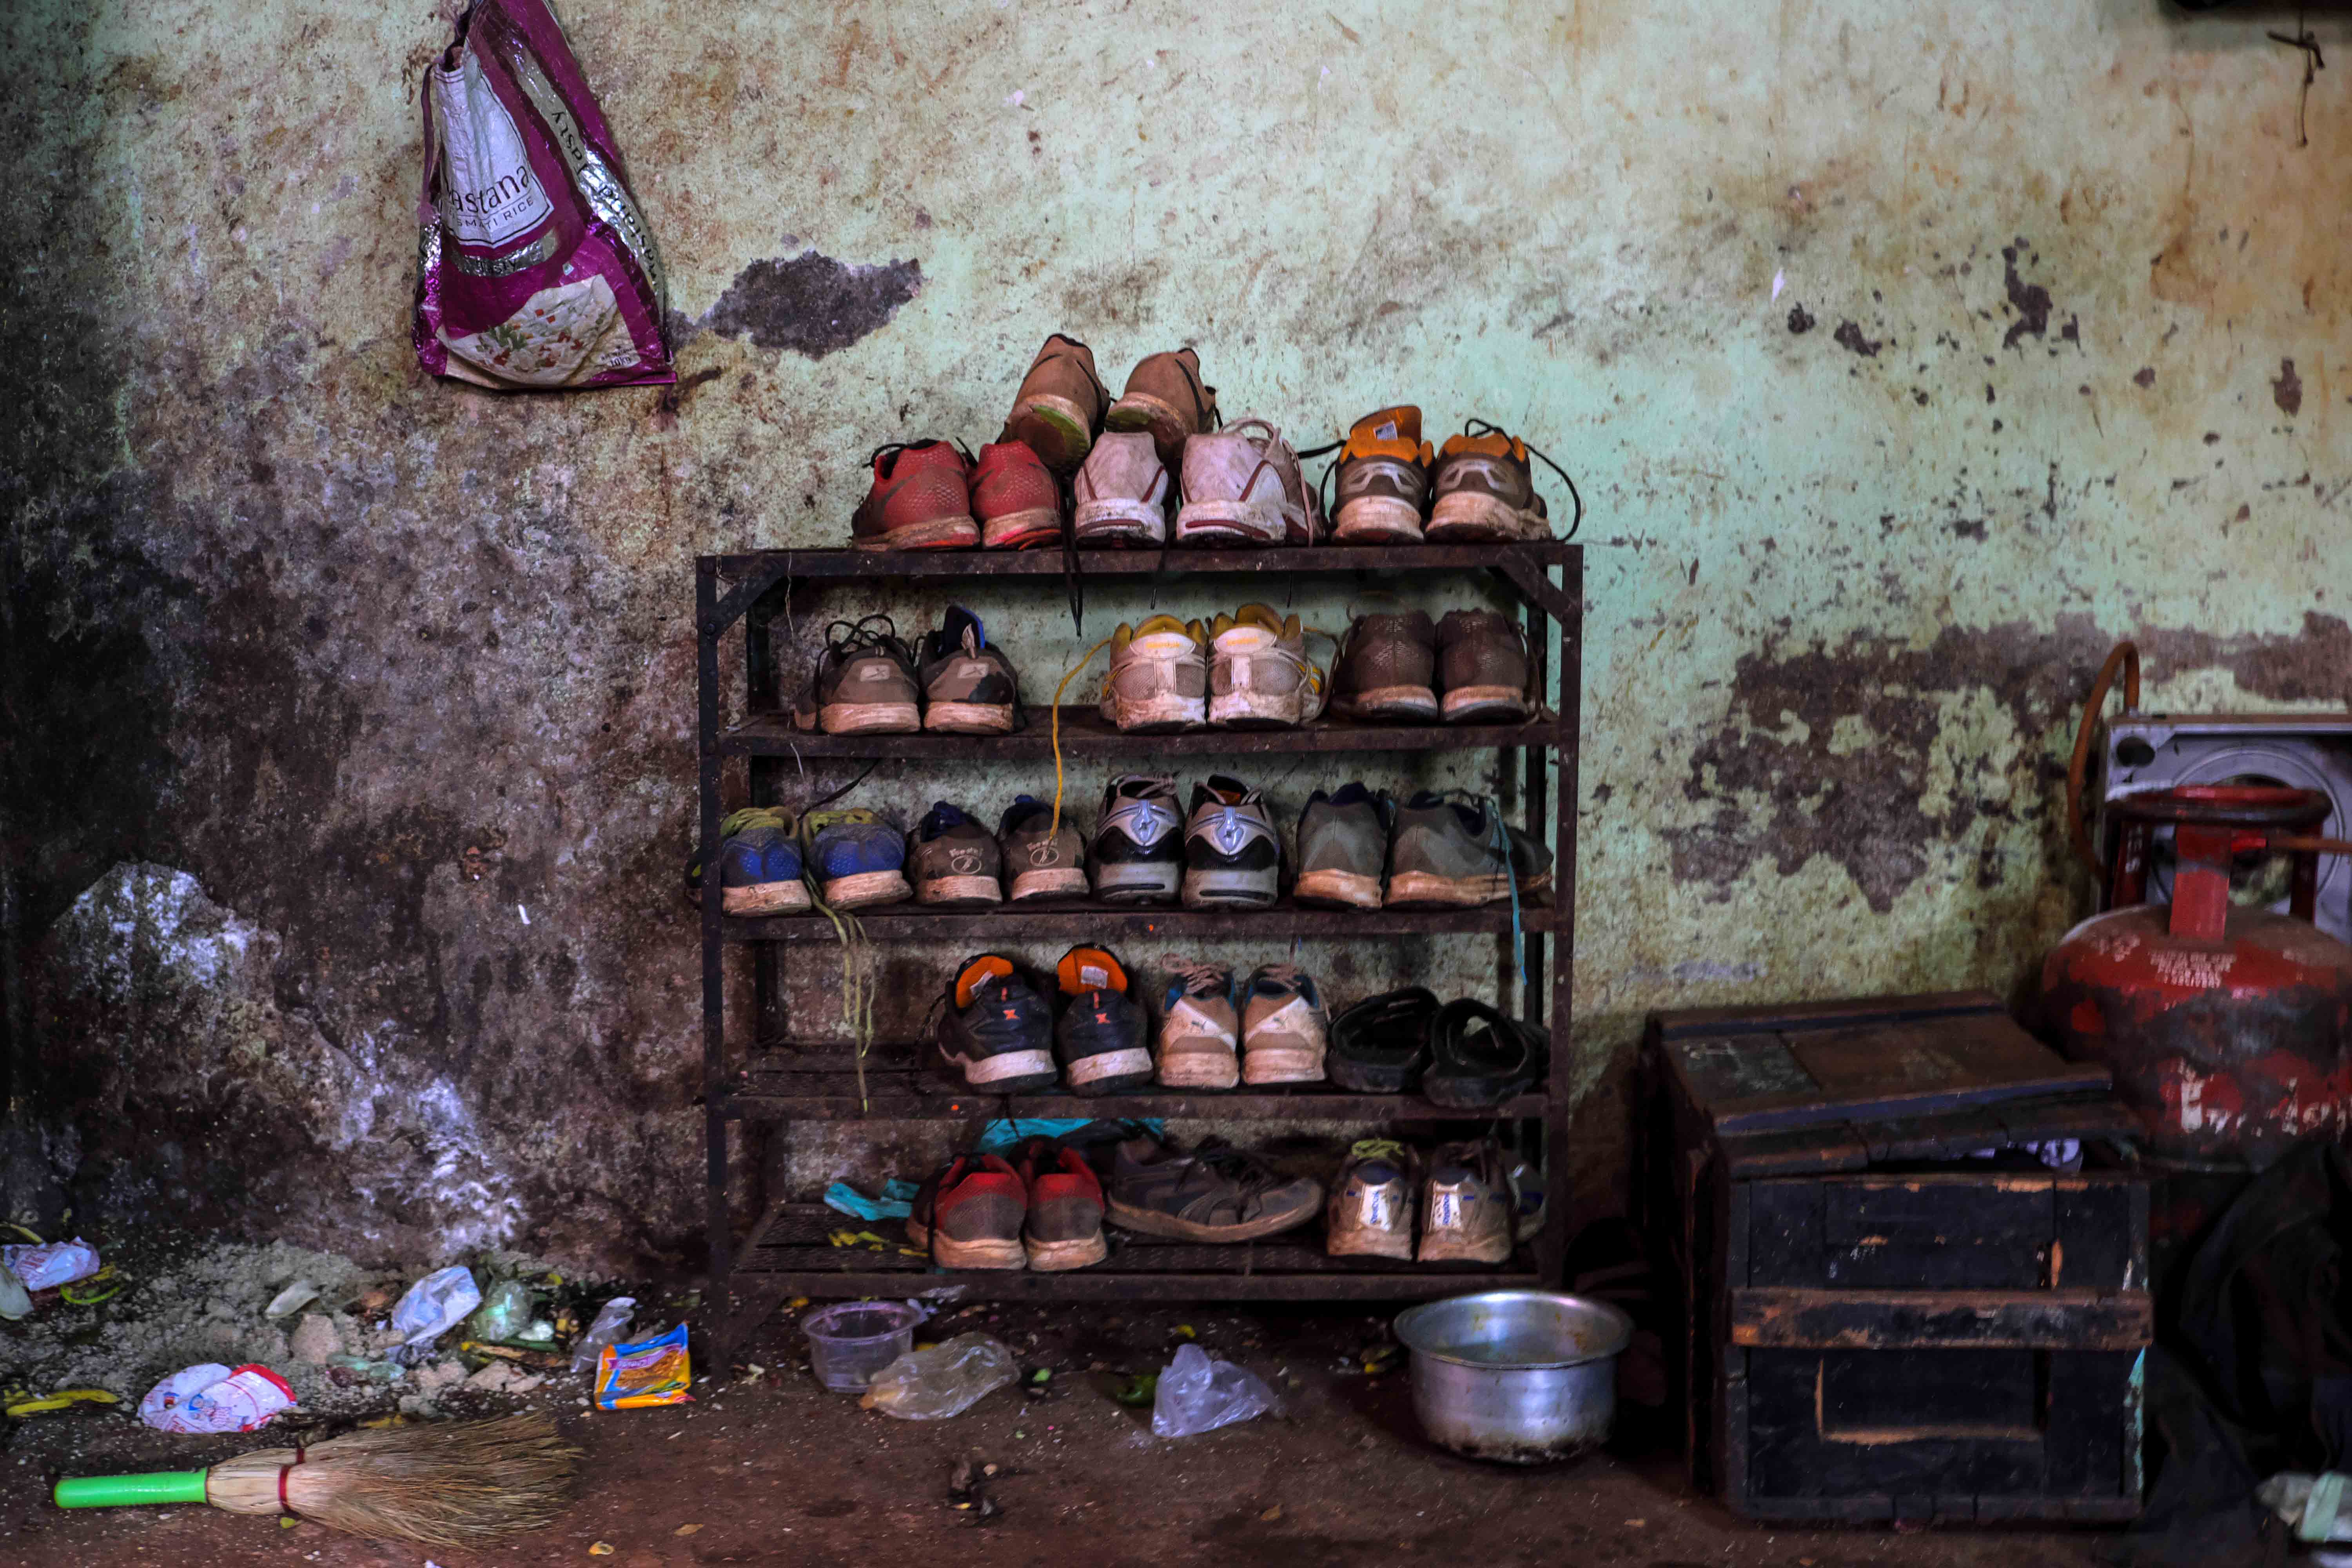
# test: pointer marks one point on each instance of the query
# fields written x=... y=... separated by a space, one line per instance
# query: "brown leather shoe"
x=1482 y=657
x=1166 y=396
x=1387 y=668
x=1060 y=404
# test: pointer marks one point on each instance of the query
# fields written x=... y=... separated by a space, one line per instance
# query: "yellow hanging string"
x=1071 y=674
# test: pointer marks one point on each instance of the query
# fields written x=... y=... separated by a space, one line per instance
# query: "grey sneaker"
x=1343 y=844
x=1371 y=1214
x=1468 y=1213
x=968 y=686
x=1446 y=854
x=1232 y=855
x=1041 y=861
x=1215 y=1193
x=952 y=861
x=1138 y=849
x=1200 y=1033
x=863 y=682
x=1284 y=1030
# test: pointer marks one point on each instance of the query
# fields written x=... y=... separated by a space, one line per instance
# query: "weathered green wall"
x=1907 y=357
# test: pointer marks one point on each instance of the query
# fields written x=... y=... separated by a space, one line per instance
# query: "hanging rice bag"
x=535 y=268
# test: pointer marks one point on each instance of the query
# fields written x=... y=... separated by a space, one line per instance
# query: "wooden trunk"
x=1874 y=1324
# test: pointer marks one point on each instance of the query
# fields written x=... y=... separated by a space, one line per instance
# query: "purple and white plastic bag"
x=535 y=268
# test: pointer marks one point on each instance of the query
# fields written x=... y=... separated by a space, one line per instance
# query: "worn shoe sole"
x=1050 y=1256
x=1056 y=882
x=1165 y=712
x=1282 y=1064
x=1021 y=529
x=871 y=719
x=989 y=1252
x=1107 y=1072
x=1368 y=1244
x=1211 y=888
x=1141 y=411
x=1139 y=881
x=1410 y=888
x=1442 y=1249
x=764 y=899
x=1492 y=703
x=1352 y=890
x=1469 y=516
x=1210 y=523
x=1377 y=519
x=1006 y=1072
x=1405 y=702
x=1214 y=1068
x=1466 y=1093
x=1121 y=522
x=933 y=533
x=1368 y=1077
x=1151 y=1222
x=968 y=718
x=960 y=892
x=861 y=889
x=1054 y=429
x=1256 y=710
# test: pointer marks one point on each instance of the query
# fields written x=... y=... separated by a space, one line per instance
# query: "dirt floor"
x=770 y=1469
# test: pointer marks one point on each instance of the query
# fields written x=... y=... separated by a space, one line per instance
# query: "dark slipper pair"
x=1464 y=1055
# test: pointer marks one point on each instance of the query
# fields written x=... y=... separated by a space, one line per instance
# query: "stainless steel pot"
x=1524 y=1377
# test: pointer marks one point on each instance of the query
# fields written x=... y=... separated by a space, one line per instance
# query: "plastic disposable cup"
x=851 y=1341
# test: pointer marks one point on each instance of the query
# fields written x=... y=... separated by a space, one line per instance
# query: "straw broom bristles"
x=461 y=1483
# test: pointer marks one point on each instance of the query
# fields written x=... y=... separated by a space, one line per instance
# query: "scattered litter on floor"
x=51 y=1264
x=1198 y=1394
x=434 y=1305
x=651 y=1372
x=897 y=1201
x=210 y=1397
x=946 y=1380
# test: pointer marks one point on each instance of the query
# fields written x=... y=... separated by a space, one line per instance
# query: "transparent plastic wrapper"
x=651 y=1372
x=612 y=1322
x=210 y=1397
x=504 y=1315
x=2314 y=1507
x=434 y=1305
x=1198 y=1394
x=946 y=1380
x=51 y=1263
x=535 y=268
x=15 y=1302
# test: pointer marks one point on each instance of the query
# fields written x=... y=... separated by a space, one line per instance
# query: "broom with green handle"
x=455 y=1484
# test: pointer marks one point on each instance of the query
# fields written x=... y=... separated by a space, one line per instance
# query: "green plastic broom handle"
x=112 y=1491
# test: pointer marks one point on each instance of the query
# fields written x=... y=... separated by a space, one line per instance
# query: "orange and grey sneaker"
x=1166 y=396
x=1486 y=490
x=921 y=499
x=1060 y=404
x=1015 y=498
x=1384 y=475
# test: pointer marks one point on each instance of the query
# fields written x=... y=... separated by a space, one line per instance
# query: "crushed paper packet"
x=51 y=1263
x=210 y=1397
x=651 y=1372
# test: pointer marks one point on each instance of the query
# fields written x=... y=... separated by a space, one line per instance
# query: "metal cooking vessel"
x=1523 y=1377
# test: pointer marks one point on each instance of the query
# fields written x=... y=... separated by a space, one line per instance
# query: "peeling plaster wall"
x=1905 y=362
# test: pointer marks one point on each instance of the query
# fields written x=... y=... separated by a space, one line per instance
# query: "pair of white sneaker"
x=1242 y=487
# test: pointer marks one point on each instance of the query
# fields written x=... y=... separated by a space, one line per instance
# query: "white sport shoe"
x=1122 y=492
x=1158 y=677
x=1259 y=677
x=1242 y=487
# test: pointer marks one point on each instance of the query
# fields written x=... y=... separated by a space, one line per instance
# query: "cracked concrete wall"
x=1905 y=362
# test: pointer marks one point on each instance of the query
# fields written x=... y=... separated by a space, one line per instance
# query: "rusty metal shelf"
x=790 y=1255
x=1087 y=918
x=819 y=1082
x=1084 y=734
x=931 y=565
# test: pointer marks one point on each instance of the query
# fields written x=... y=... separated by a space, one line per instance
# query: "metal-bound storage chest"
x=1879 y=1321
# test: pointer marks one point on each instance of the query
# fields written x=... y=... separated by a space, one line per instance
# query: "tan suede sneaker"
x=1060 y=404
x=1166 y=396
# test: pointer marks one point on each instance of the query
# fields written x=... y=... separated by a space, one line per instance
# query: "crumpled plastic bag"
x=535 y=268
x=15 y=1302
x=946 y=1380
x=50 y=1263
x=504 y=1315
x=209 y=1397
x=1198 y=1394
x=897 y=1201
x=434 y=1305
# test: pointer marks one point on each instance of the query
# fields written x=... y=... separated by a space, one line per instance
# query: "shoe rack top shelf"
x=933 y=564
x=1101 y=922
x=1084 y=734
x=792 y=1255
x=819 y=1082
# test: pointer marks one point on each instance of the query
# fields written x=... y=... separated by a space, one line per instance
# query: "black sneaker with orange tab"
x=1104 y=1037
x=996 y=1030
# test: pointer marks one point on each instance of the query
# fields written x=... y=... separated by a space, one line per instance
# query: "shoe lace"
x=876 y=632
x=1069 y=675
x=1376 y=1148
x=1323 y=480
x=1204 y=980
x=1485 y=428
x=1498 y=838
x=1247 y=1173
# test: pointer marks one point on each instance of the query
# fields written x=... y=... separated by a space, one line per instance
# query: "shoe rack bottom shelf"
x=790 y=1255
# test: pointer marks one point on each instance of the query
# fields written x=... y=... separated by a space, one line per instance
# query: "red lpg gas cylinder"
x=2229 y=1029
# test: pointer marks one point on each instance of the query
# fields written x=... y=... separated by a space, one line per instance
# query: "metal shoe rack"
x=787 y=1251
